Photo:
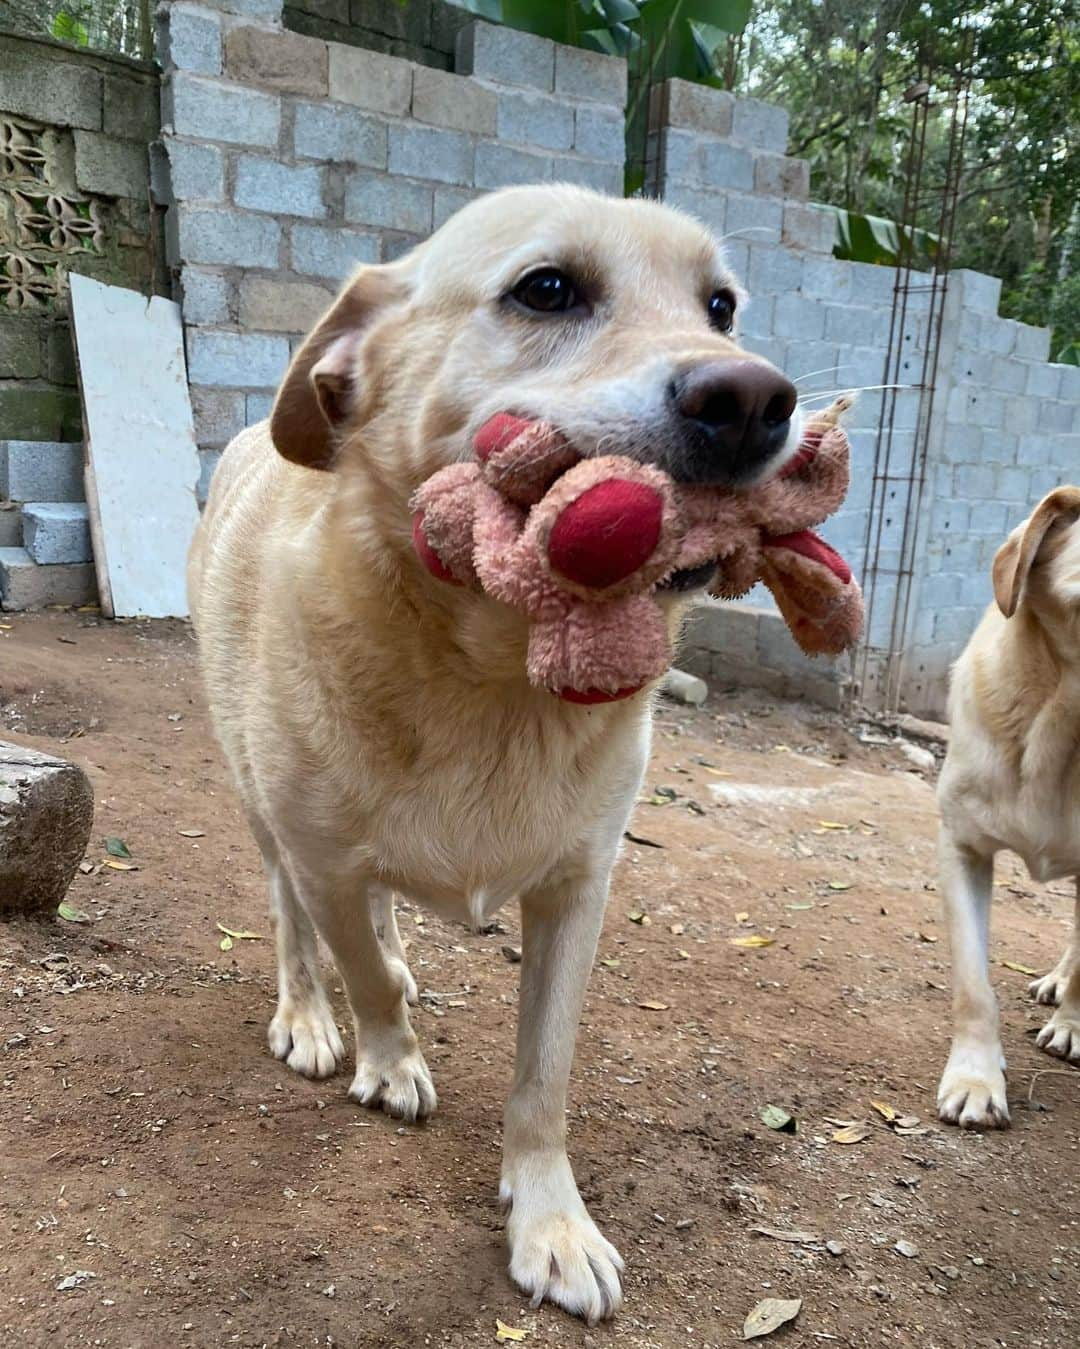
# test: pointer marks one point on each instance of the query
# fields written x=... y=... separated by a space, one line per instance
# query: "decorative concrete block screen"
x=292 y=159
x=75 y=130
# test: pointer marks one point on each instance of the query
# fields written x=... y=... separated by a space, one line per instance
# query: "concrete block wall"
x=1005 y=427
x=1006 y=432
x=291 y=160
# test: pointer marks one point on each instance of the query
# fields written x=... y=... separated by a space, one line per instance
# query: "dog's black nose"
x=733 y=416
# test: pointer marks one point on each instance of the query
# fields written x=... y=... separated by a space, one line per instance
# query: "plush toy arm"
x=444 y=511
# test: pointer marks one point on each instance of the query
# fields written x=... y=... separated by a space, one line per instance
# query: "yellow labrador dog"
x=1012 y=780
x=378 y=722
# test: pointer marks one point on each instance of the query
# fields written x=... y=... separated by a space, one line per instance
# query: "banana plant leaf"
x=872 y=238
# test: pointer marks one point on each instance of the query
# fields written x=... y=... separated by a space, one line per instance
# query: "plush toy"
x=582 y=545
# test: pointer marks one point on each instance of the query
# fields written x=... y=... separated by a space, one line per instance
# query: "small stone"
x=685 y=688
x=949 y=1271
x=835 y=1247
x=907 y=1249
x=511 y=953
x=683 y=1224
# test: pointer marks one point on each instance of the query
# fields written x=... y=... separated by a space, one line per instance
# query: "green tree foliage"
x=841 y=68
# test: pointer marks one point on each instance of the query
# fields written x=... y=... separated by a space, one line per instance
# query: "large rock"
x=46 y=813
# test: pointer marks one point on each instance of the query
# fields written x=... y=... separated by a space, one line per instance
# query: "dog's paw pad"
x=1061 y=1037
x=564 y=1258
x=402 y=1087
x=973 y=1100
x=307 y=1039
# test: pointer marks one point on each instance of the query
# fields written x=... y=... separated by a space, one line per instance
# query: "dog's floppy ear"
x=1016 y=556
x=319 y=385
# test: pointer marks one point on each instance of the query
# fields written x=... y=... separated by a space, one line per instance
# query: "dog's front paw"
x=306 y=1038
x=1061 y=1036
x=972 y=1091
x=393 y=1075
x=1050 y=989
x=557 y=1253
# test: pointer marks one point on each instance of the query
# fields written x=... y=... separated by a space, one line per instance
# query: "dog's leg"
x=556 y=1250
x=390 y=1069
x=1061 y=1034
x=1051 y=987
x=972 y=1089
x=382 y=908
x=303 y=1032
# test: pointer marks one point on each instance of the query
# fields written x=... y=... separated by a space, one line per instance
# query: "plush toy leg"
x=600 y=652
x=815 y=592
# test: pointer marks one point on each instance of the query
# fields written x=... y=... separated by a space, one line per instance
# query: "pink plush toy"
x=581 y=546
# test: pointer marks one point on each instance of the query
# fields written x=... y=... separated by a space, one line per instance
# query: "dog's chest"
x=475 y=817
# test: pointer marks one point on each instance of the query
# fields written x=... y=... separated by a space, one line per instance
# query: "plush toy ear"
x=1018 y=554
x=319 y=387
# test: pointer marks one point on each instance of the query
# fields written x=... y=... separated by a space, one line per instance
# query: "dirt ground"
x=163 y=1181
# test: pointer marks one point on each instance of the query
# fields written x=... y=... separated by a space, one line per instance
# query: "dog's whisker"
x=825 y=370
x=860 y=388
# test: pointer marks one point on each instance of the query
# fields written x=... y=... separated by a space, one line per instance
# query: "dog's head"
x=614 y=320
x=1037 y=568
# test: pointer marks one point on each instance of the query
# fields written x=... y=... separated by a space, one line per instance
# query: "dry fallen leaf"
x=611 y=963
x=117 y=865
x=769 y=1315
x=191 y=833
x=884 y=1109
x=1020 y=969
x=505 y=1332
x=833 y=824
x=654 y=1006
x=642 y=919
x=776 y=1117
x=839 y=885
x=239 y=936
x=926 y=936
x=641 y=840
x=226 y=943
x=755 y=940
x=852 y=1133
x=683 y=955
x=777 y=1235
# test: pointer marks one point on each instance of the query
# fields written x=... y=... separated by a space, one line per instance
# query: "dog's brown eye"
x=722 y=310
x=547 y=291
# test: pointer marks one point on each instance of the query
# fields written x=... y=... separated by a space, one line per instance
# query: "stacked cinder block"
x=45 y=555
x=292 y=160
x=419 y=30
x=724 y=159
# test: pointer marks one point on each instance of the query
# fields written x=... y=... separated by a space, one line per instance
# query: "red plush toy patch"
x=581 y=547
